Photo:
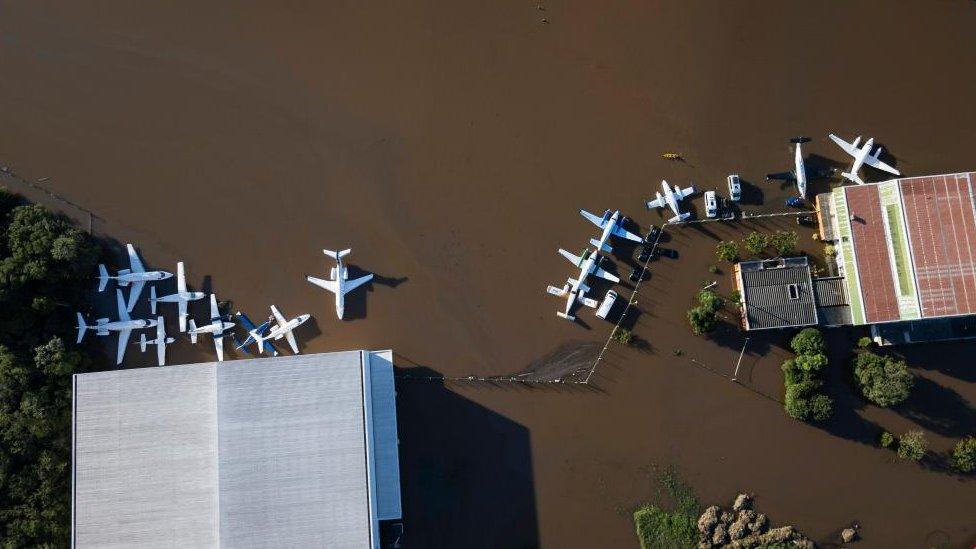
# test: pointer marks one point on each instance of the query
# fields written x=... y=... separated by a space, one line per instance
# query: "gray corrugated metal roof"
x=766 y=288
x=250 y=453
x=829 y=291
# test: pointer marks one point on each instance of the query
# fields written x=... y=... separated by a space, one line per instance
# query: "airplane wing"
x=624 y=233
x=180 y=278
x=848 y=147
x=278 y=317
x=214 y=310
x=219 y=346
x=574 y=259
x=605 y=275
x=598 y=221
x=135 y=264
x=123 y=312
x=134 y=290
x=873 y=161
x=123 y=340
x=656 y=203
x=291 y=341
x=682 y=193
x=329 y=285
x=351 y=285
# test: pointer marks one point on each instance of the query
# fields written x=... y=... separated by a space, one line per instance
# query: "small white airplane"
x=610 y=224
x=575 y=289
x=799 y=173
x=181 y=297
x=339 y=282
x=283 y=329
x=217 y=327
x=160 y=342
x=862 y=156
x=136 y=276
x=124 y=326
x=671 y=199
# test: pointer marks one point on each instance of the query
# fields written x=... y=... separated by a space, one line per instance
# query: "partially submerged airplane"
x=671 y=199
x=861 y=157
x=799 y=173
x=217 y=328
x=254 y=334
x=160 y=342
x=181 y=297
x=283 y=329
x=136 y=276
x=339 y=282
x=575 y=289
x=610 y=224
x=124 y=326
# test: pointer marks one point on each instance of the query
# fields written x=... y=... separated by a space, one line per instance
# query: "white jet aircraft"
x=283 y=329
x=862 y=156
x=136 y=275
x=181 y=297
x=160 y=342
x=339 y=282
x=799 y=173
x=575 y=289
x=217 y=327
x=671 y=199
x=610 y=224
x=124 y=326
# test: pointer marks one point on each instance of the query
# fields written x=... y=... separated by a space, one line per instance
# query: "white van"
x=735 y=188
x=607 y=304
x=711 y=204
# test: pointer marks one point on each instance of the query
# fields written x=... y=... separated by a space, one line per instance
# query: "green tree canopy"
x=784 y=242
x=756 y=243
x=727 y=250
x=964 y=455
x=808 y=341
x=883 y=380
x=912 y=445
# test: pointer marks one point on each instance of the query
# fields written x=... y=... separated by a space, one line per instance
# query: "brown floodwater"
x=450 y=145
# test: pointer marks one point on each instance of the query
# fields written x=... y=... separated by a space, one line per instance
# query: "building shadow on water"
x=466 y=471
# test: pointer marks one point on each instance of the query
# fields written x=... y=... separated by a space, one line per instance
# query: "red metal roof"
x=871 y=252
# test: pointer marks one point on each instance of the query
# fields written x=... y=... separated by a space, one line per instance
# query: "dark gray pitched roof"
x=778 y=293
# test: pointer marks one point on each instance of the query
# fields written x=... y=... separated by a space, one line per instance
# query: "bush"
x=756 y=243
x=964 y=455
x=912 y=445
x=713 y=269
x=659 y=528
x=830 y=251
x=808 y=341
x=702 y=320
x=727 y=250
x=821 y=407
x=797 y=402
x=735 y=297
x=887 y=439
x=791 y=374
x=864 y=342
x=710 y=300
x=811 y=363
x=623 y=335
x=883 y=380
x=783 y=241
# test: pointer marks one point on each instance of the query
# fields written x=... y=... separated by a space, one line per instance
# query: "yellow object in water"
x=671 y=156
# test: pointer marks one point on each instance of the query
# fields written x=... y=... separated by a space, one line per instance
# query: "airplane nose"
x=339 y=311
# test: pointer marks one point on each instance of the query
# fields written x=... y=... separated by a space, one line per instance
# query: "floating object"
x=671 y=156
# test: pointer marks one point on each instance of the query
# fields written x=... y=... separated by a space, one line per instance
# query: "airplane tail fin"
x=142 y=342
x=152 y=299
x=604 y=247
x=798 y=140
x=679 y=218
x=337 y=255
x=853 y=177
x=193 y=331
x=82 y=328
x=570 y=318
x=102 y=277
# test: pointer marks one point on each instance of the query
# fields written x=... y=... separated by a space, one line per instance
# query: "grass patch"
x=661 y=528
x=901 y=254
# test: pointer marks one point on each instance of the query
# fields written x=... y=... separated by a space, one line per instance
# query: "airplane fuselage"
x=800 y=172
x=148 y=276
x=103 y=326
x=215 y=327
x=280 y=331
x=861 y=155
x=185 y=296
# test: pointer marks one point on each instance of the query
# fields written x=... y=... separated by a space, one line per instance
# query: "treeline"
x=45 y=276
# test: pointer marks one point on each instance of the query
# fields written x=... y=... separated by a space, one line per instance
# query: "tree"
x=964 y=455
x=883 y=380
x=710 y=300
x=821 y=407
x=623 y=335
x=808 y=341
x=797 y=401
x=912 y=445
x=887 y=439
x=756 y=243
x=727 y=250
x=702 y=320
x=864 y=342
x=783 y=241
x=811 y=363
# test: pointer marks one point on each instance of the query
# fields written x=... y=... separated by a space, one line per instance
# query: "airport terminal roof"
x=907 y=247
x=297 y=451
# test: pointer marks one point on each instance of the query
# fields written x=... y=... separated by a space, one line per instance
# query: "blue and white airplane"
x=255 y=334
x=610 y=225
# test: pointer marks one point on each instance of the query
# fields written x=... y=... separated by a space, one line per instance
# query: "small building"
x=906 y=250
x=293 y=451
x=782 y=293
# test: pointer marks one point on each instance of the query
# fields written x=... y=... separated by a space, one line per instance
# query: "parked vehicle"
x=651 y=235
x=666 y=252
x=711 y=204
x=607 y=304
x=645 y=255
x=794 y=202
x=735 y=188
x=637 y=274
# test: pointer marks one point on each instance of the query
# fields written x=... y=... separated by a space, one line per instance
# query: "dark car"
x=637 y=274
x=666 y=252
x=804 y=220
x=645 y=255
x=651 y=234
x=794 y=202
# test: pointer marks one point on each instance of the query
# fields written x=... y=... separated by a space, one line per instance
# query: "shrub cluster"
x=703 y=317
x=802 y=377
x=882 y=379
x=964 y=455
x=727 y=250
x=912 y=445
